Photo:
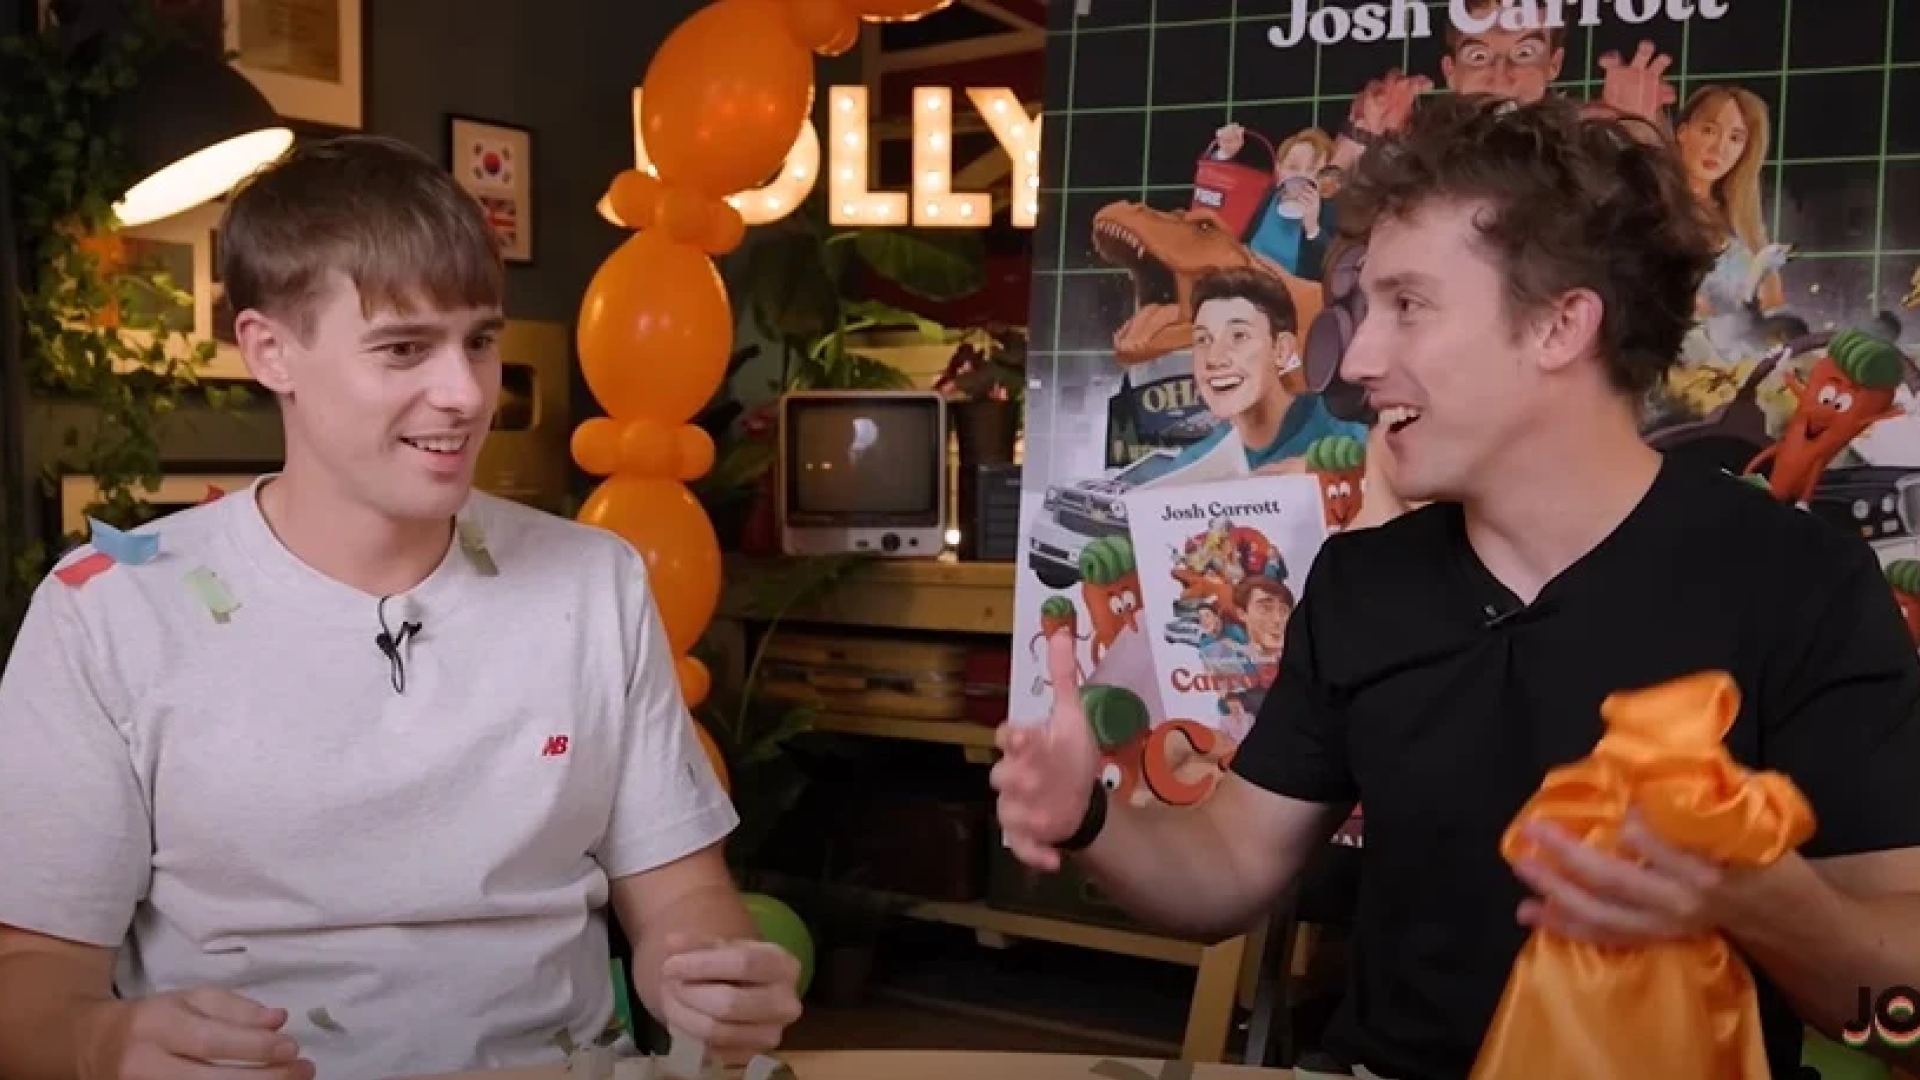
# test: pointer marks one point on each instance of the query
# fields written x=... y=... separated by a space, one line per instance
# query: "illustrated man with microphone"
x=339 y=774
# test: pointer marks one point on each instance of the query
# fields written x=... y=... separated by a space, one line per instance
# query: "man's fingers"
x=749 y=962
x=729 y=1041
x=200 y=1038
x=750 y=1006
x=1063 y=669
x=1609 y=60
x=1660 y=64
x=1039 y=856
x=1643 y=55
x=232 y=1008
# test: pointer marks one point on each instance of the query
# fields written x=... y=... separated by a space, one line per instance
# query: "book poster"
x=1189 y=312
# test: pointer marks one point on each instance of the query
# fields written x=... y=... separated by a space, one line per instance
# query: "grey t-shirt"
x=222 y=781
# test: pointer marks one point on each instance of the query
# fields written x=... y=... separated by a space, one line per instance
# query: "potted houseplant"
x=988 y=377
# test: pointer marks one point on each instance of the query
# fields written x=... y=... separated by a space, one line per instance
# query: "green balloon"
x=1837 y=1062
x=784 y=927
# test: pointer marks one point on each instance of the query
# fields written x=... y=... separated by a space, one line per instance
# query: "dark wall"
x=565 y=70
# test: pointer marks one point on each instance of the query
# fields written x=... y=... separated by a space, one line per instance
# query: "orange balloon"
x=635 y=197
x=654 y=330
x=696 y=451
x=683 y=213
x=820 y=24
x=725 y=228
x=896 y=10
x=596 y=445
x=713 y=755
x=649 y=448
x=670 y=530
x=724 y=98
x=694 y=679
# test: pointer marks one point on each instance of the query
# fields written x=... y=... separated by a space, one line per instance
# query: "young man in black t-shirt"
x=1530 y=271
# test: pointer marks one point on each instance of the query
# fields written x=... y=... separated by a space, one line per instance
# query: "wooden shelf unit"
x=977 y=598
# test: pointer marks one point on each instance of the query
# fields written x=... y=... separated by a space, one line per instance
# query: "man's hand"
x=203 y=1034
x=1048 y=770
x=738 y=997
x=1385 y=104
x=1229 y=140
x=1638 y=87
x=1586 y=894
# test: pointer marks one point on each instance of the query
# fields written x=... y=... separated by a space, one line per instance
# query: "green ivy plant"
x=97 y=330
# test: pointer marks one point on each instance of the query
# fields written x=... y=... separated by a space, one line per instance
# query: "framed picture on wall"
x=186 y=247
x=494 y=162
x=304 y=55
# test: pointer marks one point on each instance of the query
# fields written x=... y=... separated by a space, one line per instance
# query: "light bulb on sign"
x=934 y=203
x=1019 y=134
x=757 y=206
x=851 y=202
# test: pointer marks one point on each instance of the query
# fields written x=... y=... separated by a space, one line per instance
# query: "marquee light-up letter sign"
x=933 y=202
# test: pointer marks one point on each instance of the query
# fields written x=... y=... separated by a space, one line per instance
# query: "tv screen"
x=863 y=460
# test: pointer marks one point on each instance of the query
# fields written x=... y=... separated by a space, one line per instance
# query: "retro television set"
x=862 y=471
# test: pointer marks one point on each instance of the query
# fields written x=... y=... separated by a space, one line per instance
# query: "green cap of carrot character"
x=1336 y=453
x=1870 y=362
x=1115 y=713
x=1106 y=560
x=1904 y=576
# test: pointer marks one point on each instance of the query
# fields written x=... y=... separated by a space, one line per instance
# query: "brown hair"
x=375 y=209
x=1571 y=200
x=1480 y=9
x=1252 y=584
x=1321 y=142
x=1256 y=287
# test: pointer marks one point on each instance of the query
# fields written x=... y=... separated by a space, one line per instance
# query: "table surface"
x=948 y=1065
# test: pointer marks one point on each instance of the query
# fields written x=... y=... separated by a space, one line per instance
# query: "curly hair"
x=1572 y=199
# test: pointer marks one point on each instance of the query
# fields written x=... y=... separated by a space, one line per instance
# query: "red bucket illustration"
x=1232 y=189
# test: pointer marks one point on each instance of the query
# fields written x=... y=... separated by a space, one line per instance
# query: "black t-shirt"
x=1413 y=681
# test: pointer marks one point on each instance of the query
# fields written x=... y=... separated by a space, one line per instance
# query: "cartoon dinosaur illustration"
x=1058 y=616
x=1848 y=390
x=1165 y=251
x=1110 y=583
x=1903 y=576
x=1339 y=462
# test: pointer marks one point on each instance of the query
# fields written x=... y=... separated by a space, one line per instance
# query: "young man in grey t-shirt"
x=339 y=772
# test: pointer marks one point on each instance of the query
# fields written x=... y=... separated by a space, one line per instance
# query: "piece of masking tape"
x=123 y=547
x=84 y=569
x=473 y=542
x=213 y=593
x=686 y=1057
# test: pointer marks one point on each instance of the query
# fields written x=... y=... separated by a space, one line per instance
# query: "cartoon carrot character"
x=1120 y=724
x=1339 y=462
x=1903 y=575
x=1110 y=582
x=1057 y=616
x=1847 y=391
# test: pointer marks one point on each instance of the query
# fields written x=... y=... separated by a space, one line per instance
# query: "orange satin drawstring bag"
x=1679 y=1010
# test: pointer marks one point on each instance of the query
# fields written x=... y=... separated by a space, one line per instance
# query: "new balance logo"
x=556 y=746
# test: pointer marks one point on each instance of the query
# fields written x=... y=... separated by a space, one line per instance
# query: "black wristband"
x=1092 y=823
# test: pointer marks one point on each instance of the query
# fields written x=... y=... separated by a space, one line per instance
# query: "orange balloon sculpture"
x=723 y=99
x=655 y=329
x=671 y=531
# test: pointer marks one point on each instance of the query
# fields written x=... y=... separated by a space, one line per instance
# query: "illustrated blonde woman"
x=1722 y=135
